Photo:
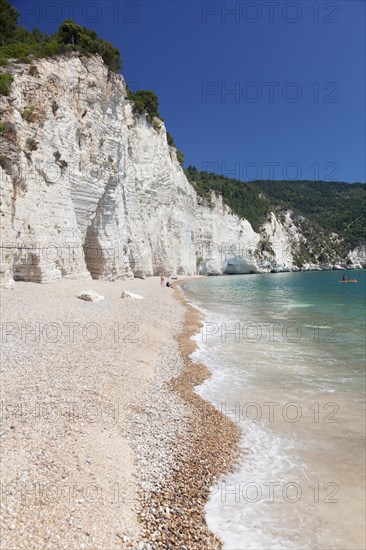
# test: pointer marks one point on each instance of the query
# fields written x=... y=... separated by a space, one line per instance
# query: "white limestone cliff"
x=90 y=190
x=228 y=244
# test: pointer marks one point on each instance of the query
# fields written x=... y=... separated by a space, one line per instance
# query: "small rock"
x=9 y=286
x=131 y=295
x=90 y=296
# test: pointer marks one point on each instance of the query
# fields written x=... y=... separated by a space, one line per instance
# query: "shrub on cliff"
x=5 y=83
x=145 y=102
x=180 y=154
x=180 y=157
x=170 y=139
x=29 y=114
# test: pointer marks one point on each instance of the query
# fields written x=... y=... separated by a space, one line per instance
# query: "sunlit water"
x=287 y=356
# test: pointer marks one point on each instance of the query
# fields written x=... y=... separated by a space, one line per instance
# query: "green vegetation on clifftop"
x=145 y=102
x=18 y=43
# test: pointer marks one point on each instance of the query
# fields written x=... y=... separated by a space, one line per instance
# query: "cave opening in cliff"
x=93 y=255
x=26 y=268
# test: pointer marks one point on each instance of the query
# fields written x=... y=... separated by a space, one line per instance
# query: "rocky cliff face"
x=90 y=190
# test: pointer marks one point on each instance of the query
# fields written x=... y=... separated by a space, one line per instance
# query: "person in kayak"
x=344 y=278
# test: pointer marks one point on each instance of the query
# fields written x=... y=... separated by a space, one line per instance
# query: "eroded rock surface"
x=90 y=190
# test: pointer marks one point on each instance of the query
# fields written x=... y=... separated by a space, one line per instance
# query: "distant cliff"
x=90 y=189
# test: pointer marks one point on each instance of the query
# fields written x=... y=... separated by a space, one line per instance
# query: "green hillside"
x=330 y=206
x=243 y=198
x=335 y=206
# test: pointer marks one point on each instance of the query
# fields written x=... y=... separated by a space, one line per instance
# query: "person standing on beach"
x=161 y=279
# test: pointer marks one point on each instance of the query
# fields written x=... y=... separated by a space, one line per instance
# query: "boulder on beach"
x=90 y=296
x=130 y=295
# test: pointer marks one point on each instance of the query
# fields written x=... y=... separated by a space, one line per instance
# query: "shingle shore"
x=104 y=444
x=198 y=444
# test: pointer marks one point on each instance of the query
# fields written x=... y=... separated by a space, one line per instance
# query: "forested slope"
x=335 y=207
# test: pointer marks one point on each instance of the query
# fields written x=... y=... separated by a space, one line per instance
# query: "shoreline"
x=209 y=448
x=221 y=435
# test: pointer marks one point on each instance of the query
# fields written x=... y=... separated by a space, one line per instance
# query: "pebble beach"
x=104 y=443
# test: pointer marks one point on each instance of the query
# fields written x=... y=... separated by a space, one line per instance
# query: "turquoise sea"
x=287 y=356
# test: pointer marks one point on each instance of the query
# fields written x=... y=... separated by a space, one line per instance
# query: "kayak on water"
x=348 y=281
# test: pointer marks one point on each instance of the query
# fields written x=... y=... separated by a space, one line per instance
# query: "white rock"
x=10 y=285
x=130 y=295
x=104 y=195
x=90 y=296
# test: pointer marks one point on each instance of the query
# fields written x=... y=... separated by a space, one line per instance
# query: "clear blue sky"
x=296 y=71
